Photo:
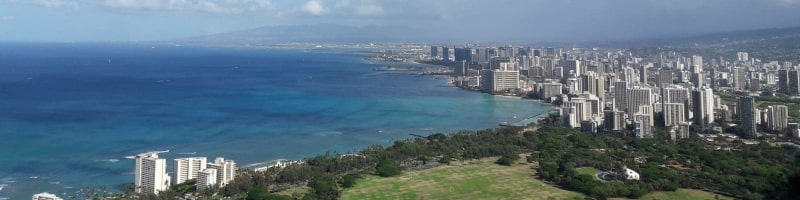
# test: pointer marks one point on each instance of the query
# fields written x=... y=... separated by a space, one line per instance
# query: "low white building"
x=630 y=174
x=46 y=196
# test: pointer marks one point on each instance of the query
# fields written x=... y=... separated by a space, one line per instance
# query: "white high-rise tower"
x=188 y=168
x=226 y=170
x=151 y=174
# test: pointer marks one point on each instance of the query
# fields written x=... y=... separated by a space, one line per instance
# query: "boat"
x=130 y=157
x=503 y=123
x=33 y=177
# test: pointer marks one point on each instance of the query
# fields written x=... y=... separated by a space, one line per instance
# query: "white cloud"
x=47 y=3
x=314 y=7
x=208 y=6
x=373 y=10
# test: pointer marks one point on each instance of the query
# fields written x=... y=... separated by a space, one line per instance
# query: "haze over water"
x=70 y=113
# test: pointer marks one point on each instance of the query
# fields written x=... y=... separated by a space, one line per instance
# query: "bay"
x=71 y=113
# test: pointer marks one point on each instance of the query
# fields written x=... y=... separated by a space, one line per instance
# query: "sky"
x=463 y=20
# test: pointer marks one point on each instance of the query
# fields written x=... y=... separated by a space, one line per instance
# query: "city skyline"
x=148 y=20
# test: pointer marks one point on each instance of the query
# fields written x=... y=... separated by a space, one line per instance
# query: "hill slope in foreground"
x=480 y=179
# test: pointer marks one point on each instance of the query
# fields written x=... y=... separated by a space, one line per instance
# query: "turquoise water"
x=71 y=113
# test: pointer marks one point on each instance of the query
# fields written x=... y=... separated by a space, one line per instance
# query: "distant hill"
x=326 y=33
x=716 y=38
x=775 y=44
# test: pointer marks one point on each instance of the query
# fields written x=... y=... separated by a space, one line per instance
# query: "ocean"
x=71 y=113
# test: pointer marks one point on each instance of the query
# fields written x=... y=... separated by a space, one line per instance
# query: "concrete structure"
x=703 y=107
x=697 y=64
x=226 y=170
x=594 y=84
x=206 y=178
x=46 y=196
x=151 y=174
x=460 y=68
x=505 y=80
x=747 y=117
x=642 y=127
x=636 y=97
x=548 y=90
x=673 y=114
x=777 y=117
x=188 y=168
x=664 y=78
x=613 y=120
x=739 y=79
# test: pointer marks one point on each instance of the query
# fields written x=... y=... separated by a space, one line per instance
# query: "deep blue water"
x=70 y=113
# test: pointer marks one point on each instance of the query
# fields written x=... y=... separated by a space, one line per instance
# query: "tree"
x=387 y=168
x=507 y=160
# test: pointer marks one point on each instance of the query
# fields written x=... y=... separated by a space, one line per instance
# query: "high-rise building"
x=777 y=117
x=151 y=174
x=783 y=81
x=739 y=79
x=642 y=125
x=460 y=68
x=569 y=118
x=572 y=67
x=676 y=94
x=206 y=178
x=697 y=64
x=664 y=78
x=594 y=84
x=613 y=120
x=643 y=74
x=673 y=114
x=487 y=80
x=742 y=56
x=463 y=54
x=582 y=108
x=445 y=53
x=226 y=170
x=620 y=95
x=188 y=168
x=794 y=82
x=698 y=80
x=434 y=51
x=747 y=117
x=506 y=77
x=46 y=196
x=703 y=104
x=638 y=96
x=549 y=90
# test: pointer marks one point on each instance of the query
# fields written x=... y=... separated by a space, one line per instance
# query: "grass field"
x=684 y=194
x=469 y=180
x=587 y=170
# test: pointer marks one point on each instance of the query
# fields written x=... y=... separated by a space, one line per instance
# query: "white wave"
x=130 y=157
x=327 y=133
x=112 y=160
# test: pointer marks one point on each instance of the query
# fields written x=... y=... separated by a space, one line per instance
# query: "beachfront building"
x=549 y=90
x=506 y=77
x=206 y=178
x=226 y=170
x=188 y=168
x=46 y=196
x=151 y=174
